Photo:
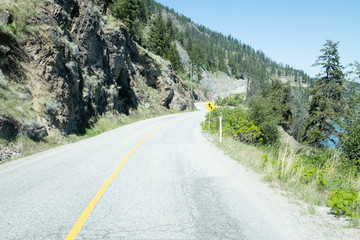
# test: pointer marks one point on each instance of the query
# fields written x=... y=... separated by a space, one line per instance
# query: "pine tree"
x=174 y=57
x=279 y=98
x=133 y=13
x=158 y=40
x=327 y=101
x=170 y=28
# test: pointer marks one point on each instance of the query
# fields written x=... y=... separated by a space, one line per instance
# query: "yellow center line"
x=80 y=222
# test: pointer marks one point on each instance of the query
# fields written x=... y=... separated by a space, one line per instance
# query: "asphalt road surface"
x=175 y=185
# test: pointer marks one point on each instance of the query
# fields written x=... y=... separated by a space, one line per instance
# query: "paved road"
x=174 y=186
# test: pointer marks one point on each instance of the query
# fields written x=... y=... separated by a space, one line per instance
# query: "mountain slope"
x=211 y=52
x=64 y=65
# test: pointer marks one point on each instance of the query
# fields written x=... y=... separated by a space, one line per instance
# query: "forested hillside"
x=158 y=28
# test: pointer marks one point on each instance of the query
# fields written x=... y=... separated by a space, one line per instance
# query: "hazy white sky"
x=288 y=31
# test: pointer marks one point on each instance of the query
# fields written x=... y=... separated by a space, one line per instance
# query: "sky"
x=288 y=31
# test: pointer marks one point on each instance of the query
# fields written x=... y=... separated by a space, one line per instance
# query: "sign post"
x=210 y=106
x=209 y=121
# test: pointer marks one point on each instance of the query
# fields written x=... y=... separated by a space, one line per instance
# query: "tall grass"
x=290 y=168
x=21 y=11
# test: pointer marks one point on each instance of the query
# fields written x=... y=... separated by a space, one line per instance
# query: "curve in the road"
x=80 y=222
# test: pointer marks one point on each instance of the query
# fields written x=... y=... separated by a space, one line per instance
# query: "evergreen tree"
x=327 y=101
x=174 y=57
x=159 y=40
x=170 y=28
x=279 y=98
x=133 y=13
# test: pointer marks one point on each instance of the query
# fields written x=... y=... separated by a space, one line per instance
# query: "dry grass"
x=246 y=154
x=286 y=168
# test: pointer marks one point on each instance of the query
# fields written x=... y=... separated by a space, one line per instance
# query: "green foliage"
x=351 y=146
x=261 y=114
x=309 y=173
x=134 y=14
x=350 y=141
x=317 y=157
x=327 y=101
x=160 y=41
x=273 y=110
x=299 y=107
x=242 y=130
x=207 y=49
x=279 y=98
x=265 y=158
x=232 y=100
x=344 y=202
x=234 y=125
x=174 y=57
x=217 y=52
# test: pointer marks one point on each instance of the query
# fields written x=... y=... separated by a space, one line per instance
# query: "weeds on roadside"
x=317 y=178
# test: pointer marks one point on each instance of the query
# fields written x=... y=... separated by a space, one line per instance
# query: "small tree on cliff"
x=158 y=37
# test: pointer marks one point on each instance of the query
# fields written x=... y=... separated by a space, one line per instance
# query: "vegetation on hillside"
x=157 y=27
x=325 y=119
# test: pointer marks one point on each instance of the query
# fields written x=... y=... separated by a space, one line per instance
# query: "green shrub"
x=321 y=179
x=351 y=145
x=265 y=158
x=242 y=130
x=318 y=157
x=344 y=202
x=232 y=100
x=307 y=174
x=234 y=125
x=261 y=114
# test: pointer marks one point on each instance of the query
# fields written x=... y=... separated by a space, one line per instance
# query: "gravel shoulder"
x=290 y=213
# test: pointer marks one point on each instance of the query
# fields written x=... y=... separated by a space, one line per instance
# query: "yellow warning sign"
x=210 y=106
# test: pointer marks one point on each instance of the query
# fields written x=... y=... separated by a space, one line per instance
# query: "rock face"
x=82 y=67
x=5 y=17
x=9 y=129
x=34 y=131
x=221 y=85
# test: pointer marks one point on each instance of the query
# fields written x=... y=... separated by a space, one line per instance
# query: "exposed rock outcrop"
x=5 y=17
x=82 y=66
x=9 y=128
x=34 y=130
x=220 y=84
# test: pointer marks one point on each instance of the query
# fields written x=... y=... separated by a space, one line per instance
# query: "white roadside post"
x=220 y=129
x=209 y=121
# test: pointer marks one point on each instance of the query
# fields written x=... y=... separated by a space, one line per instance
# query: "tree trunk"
x=106 y=4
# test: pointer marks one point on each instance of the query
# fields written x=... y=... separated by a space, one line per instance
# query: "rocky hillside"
x=218 y=83
x=65 y=65
x=223 y=63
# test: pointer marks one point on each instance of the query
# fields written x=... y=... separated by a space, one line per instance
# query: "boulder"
x=9 y=128
x=5 y=17
x=34 y=131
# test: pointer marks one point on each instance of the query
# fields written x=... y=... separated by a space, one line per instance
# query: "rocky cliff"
x=79 y=65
